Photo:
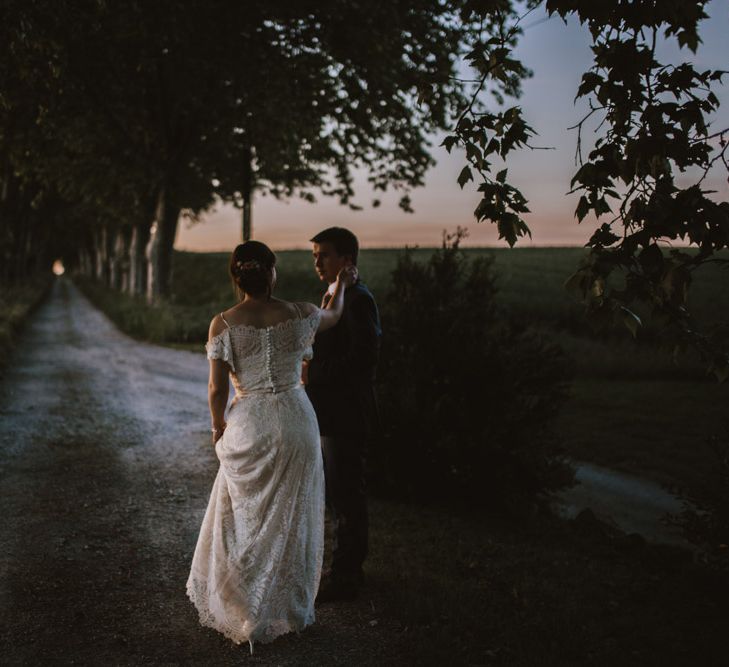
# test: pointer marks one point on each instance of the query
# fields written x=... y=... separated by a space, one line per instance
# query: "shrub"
x=467 y=397
x=705 y=517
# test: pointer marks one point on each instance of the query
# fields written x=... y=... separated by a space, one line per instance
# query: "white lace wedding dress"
x=257 y=564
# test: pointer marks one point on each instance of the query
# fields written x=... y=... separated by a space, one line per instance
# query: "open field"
x=631 y=408
x=530 y=280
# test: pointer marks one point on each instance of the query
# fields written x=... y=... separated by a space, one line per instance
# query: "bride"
x=257 y=563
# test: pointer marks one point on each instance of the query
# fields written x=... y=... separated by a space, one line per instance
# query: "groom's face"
x=328 y=262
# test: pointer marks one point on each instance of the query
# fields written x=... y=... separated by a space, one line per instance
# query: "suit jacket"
x=342 y=371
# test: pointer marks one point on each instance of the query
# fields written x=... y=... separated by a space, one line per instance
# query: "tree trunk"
x=112 y=260
x=118 y=259
x=84 y=262
x=121 y=251
x=247 y=193
x=137 y=259
x=247 y=228
x=100 y=249
x=159 y=248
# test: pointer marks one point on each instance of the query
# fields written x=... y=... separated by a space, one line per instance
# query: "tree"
x=334 y=88
x=655 y=120
x=299 y=101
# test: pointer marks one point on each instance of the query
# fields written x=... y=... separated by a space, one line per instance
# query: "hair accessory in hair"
x=250 y=265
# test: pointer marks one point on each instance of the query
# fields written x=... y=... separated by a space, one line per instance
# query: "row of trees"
x=116 y=117
x=119 y=116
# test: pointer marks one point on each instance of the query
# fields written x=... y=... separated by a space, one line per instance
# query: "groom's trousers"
x=344 y=465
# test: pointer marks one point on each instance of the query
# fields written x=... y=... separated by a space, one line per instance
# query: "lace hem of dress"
x=262 y=631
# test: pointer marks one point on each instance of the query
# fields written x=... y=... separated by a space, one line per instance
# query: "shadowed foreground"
x=104 y=476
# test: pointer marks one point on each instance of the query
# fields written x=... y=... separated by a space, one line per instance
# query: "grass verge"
x=460 y=591
x=16 y=304
x=167 y=323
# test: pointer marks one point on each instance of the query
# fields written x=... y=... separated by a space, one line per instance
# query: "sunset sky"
x=557 y=54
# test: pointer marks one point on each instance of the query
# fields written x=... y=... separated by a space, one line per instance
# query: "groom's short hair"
x=344 y=241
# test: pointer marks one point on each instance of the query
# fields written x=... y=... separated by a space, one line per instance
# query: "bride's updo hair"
x=251 y=265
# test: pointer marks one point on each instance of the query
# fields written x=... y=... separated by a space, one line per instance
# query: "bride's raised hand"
x=348 y=275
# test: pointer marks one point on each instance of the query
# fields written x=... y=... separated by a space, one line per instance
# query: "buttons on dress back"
x=269 y=358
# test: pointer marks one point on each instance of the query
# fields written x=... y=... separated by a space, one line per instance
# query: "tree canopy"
x=117 y=116
x=654 y=127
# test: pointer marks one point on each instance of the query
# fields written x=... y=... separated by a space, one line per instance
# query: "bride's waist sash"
x=240 y=392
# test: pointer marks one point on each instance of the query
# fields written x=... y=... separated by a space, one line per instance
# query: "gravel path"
x=105 y=471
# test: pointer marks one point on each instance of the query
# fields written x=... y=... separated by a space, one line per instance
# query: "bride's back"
x=264 y=346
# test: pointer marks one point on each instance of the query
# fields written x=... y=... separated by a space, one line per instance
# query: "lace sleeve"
x=219 y=347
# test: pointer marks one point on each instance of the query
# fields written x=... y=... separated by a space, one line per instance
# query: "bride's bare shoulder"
x=217 y=326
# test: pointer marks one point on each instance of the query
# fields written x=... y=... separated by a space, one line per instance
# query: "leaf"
x=583 y=208
x=720 y=370
x=598 y=288
x=507 y=229
x=631 y=321
x=501 y=176
x=590 y=81
x=449 y=142
x=576 y=283
x=465 y=176
x=405 y=204
x=473 y=153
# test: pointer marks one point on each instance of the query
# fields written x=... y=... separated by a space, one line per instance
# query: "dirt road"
x=105 y=471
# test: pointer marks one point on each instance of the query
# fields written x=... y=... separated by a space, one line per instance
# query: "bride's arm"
x=218 y=386
x=218 y=396
x=331 y=313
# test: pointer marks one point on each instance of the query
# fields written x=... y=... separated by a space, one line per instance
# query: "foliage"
x=705 y=518
x=655 y=116
x=108 y=110
x=486 y=134
x=656 y=123
x=329 y=91
x=467 y=397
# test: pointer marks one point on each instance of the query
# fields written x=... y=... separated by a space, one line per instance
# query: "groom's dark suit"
x=340 y=386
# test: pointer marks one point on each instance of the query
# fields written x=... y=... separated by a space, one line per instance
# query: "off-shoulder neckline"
x=281 y=324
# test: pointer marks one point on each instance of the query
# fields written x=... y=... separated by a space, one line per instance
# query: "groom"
x=340 y=386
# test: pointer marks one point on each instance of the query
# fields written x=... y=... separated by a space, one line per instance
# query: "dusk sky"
x=557 y=54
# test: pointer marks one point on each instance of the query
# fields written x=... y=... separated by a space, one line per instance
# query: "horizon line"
x=416 y=246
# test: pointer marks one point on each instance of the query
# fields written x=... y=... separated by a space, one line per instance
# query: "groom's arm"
x=360 y=355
